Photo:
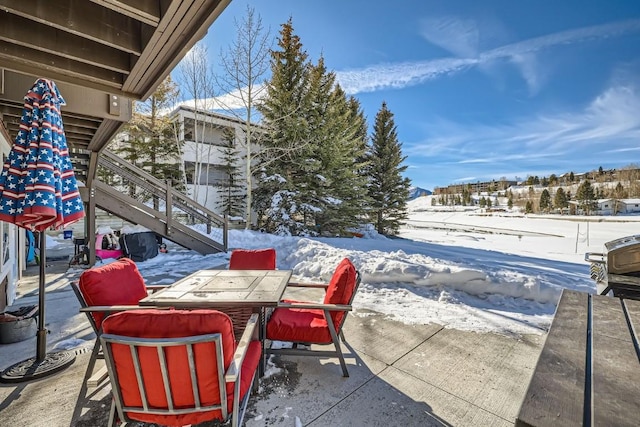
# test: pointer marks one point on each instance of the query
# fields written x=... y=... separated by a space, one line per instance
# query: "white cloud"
x=506 y=158
x=610 y=120
x=458 y=36
x=530 y=70
x=401 y=75
x=405 y=74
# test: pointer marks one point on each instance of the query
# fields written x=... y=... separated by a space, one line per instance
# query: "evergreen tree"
x=618 y=193
x=510 y=203
x=465 y=194
x=560 y=199
x=152 y=144
x=317 y=186
x=285 y=136
x=586 y=197
x=388 y=190
x=545 y=200
x=528 y=207
x=232 y=196
x=342 y=155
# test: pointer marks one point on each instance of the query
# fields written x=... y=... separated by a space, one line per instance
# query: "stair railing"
x=177 y=206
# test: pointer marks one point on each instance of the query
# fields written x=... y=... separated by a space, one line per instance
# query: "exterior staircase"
x=172 y=216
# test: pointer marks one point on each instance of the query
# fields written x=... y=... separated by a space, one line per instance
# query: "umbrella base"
x=32 y=369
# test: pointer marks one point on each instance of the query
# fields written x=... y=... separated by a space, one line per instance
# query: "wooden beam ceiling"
x=102 y=54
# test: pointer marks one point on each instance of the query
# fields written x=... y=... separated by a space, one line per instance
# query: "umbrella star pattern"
x=38 y=186
x=38 y=190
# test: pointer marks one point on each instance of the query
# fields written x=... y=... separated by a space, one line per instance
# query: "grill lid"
x=623 y=255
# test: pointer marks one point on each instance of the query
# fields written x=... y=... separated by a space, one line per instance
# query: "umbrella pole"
x=43 y=364
x=41 y=345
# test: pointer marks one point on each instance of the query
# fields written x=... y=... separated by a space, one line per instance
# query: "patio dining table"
x=239 y=293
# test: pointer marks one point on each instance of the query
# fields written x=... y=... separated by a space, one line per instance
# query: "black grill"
x=617 y=269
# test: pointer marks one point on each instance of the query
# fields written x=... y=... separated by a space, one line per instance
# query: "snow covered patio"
x=401 y=375
x=495 y=293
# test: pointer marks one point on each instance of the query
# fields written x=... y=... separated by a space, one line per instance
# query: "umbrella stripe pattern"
x=38 y=188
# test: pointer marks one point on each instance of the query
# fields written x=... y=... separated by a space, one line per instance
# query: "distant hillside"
x=415 y=192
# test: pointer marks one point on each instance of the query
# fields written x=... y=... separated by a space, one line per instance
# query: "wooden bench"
x=588 y=373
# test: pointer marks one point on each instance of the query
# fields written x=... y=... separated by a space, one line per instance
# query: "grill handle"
x=588 y=257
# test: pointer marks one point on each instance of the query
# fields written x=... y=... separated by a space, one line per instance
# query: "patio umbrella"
x=38 y=191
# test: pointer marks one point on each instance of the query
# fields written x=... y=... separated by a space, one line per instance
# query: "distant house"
x=609 y=206
x=630 y=206
x=605 y=207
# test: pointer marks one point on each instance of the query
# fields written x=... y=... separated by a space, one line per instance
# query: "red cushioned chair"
x=311 y=323
x=178 y=367
x=253 y=259
x=103 y=290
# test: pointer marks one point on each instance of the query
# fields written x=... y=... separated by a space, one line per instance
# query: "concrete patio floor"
x=400 y=375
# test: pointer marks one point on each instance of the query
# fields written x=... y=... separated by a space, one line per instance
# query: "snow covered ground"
x=463 y=269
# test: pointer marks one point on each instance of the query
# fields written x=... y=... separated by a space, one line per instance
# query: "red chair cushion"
x=172 y=324
x=341 y=289
x=298 y=325
x=309 y=325
x=117 y=283
x=255 y=259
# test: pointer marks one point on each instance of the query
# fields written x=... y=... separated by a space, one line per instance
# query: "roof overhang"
x=102 y=54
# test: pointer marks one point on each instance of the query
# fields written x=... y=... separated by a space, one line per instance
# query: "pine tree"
x=313 y=163
x=528 y=207
x=545 y=200
x=152 y=144
x=618 y=193
x=285 y=137
x=341 y=152
x=560 y=200
x=586 y=197
x=314 y=172
x=232 y=196
x=388 y=190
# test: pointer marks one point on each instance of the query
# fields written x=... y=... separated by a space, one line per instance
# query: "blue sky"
x=479 y=90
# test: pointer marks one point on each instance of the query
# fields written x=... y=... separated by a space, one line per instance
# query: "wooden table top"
x=588 y=373
x=223 y=288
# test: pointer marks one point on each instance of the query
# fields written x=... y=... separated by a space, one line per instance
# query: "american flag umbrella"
x=38 y=190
